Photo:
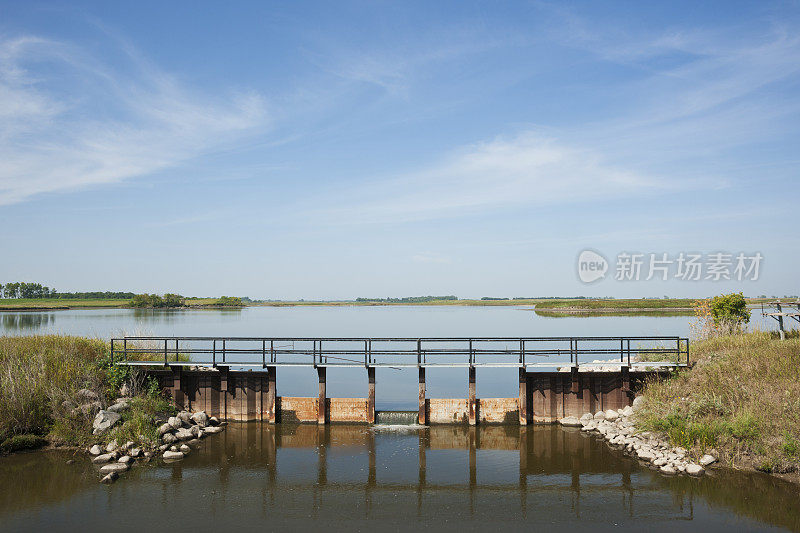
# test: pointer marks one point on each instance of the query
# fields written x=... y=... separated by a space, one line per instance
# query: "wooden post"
x=780 y=320
x=422 y=419
x=321 y=407
x=371 y=395
x=472 y=397
x=523 y=397
x=271 y=394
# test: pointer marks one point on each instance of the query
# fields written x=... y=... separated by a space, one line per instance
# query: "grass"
x=742 y=398
x=671 y=303
x=81 y=303
x=39 y=378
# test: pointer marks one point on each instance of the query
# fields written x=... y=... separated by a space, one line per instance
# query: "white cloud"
x=68 y=121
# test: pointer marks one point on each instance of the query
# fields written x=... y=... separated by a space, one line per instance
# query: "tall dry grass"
x=742 y=397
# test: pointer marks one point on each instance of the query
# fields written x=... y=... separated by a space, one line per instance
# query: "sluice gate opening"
x=235 y=377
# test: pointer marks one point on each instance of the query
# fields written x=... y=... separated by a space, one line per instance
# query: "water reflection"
x=354 y=477
x=33 y=321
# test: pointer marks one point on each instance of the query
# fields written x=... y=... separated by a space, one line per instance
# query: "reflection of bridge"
x=209 y=373
x=523 y=467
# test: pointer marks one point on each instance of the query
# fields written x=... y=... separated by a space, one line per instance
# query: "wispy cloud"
x=69 y=120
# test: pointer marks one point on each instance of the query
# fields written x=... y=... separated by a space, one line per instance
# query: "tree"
x=730 y=312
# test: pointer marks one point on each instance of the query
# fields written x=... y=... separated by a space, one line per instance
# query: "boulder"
x=103 y=458
x=667 y=469
x=212 y=429
x=587 y=417
x=125 y=459
x=165 y=428
x=104 y=421
x=87 y=409
x=707 y=460
x=628 y=411
x=611 y=415
x=600 y=415
x=169 y=455
x=185 y=449
x=570 y=421
x=136 y=452
x=119 y=407
x=694 y=469
x=193 y=442
x=185 y=417
x=95 y=450
x=86 y=396
x=125 y=390
x=163 y=447
x=195 y=431
x=175 y=422
x=111 y=477
x=201 y=419
x=214 y=421
x=114 y=467
x=184 y=434
x=637 y=402
x=168 y=438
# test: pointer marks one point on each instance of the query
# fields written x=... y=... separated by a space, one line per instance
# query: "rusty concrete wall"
x=292 y=409
x=347 y=410
x=498 y=410
x=554 y=395
x=456 y=410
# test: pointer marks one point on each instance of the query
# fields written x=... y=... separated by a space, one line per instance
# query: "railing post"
x=165 y=353
x=223 y=350
x=125 y=348
x=271 y=350
x=263 y=353
x=214 y=353
x=322 y=400
x=576 y=353
x=687 y=351
x=112 y=351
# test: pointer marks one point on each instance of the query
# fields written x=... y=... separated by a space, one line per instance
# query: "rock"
x=165 y=428
x=175 y=422
x=110 y=478
x=173 y=448
x=694 y=469
x=213 y=429
x=713 y=453
x=119 y=407
x=707 y=459
x=628 y=411
x=637 y=403
x=86 y=396
x=112 y=446
x=114 y=467
x=193 y=442
x=195 y=431
x=68 y=405
x=201 y=419
x=125 y=390
x=104 y=458
x=667 y=469
x=162 y=448
x=169 y=455
x=87 y=409
x=214 y=421
x=125 y=459
x=184 y=434
x=104 y=421
x=185 y=417
x=570 y=421
x=95 y=450
x=600 y=415
x=185 y=450
x=611 y=415
x=148 y=455
x=128 y=445
x=136 y=452
x=201 y=434
x=168 y=438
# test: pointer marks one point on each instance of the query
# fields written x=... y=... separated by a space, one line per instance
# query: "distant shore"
x=553 y=305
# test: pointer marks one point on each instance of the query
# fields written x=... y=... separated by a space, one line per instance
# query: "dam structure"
x=234 y=378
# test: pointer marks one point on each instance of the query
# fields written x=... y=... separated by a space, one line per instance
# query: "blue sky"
x=337 y=150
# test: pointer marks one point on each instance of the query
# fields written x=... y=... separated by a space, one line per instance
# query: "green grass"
x=21 y=442
x=39 y=378
x=742 y=397
x=50 y=303
x=672 y=303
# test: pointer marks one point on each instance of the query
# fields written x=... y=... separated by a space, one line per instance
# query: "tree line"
x=21 y=289
x=408 y=299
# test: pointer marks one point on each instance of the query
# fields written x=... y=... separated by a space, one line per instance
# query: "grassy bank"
x=618 y=304
x=40 y=380
x=44 y=304
x=742 y=398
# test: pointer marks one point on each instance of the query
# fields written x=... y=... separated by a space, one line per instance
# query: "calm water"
x=295 y=478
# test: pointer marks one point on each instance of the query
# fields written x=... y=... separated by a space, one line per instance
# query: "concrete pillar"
x=271 y=394
x=422 y=419
x=371 y=395
x=177 y=391
x=473 y=407
x=523 y=397
x=322 y=402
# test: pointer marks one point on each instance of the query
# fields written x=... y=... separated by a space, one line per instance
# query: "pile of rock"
x=618 y=429
x=178 y=434
x=183 y=430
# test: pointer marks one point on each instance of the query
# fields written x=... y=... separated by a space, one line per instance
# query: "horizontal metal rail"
x=397 y=352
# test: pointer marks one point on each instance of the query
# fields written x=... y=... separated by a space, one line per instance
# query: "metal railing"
x=398 y=352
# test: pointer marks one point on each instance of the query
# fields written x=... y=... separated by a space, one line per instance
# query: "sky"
x=337 y=150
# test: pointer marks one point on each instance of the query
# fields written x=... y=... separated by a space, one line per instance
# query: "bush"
x=229 y=301
x=730 y=311
x=156 y=301
x=21 y=442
